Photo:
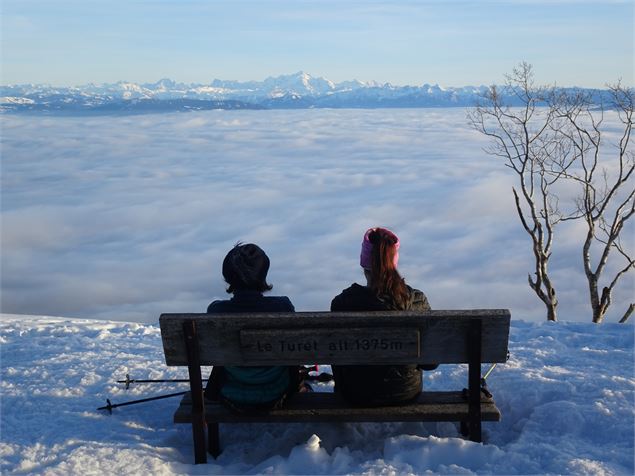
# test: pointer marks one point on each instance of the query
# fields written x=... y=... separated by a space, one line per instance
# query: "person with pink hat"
x=385 y=289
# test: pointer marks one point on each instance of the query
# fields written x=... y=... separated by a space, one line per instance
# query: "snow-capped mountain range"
x=299 y=90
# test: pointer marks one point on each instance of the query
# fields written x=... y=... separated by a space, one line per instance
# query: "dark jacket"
x=261 y=386
x=377 y=384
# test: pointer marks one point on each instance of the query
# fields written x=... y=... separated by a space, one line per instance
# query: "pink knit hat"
x=365 y=257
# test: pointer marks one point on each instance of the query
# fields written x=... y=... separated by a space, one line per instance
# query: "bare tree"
x=607 y=193
x=549 y=136
x=527 y=140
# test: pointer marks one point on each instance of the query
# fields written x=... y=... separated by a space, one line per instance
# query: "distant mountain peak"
x=294 y=90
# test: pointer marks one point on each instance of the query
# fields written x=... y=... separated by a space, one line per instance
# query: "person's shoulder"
x=351 y=296
x=418 y=300
x=279 y=303
x=217 y=306
x=251 y=302
x=355 y=289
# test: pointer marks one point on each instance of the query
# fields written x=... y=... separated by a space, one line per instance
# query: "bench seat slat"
x=317 y=407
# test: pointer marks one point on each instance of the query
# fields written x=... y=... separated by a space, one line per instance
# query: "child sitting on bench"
x=250 y=389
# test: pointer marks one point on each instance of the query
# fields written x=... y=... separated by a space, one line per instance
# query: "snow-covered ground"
x=566 y=395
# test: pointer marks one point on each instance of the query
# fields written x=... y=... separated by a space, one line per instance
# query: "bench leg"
x=213 y=441
x=473 y=434
x=198 y=433
x=474 y=381
x=198 y=406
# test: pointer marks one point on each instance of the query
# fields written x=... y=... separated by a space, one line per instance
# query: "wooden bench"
x=373 y=338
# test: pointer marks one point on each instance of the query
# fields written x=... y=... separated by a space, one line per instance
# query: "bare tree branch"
x=606 y=200
x=525 y=139
x=628 y=313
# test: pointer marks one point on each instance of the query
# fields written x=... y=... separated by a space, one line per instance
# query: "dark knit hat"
x=245 y=268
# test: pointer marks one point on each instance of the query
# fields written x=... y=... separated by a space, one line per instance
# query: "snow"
x=15 y=100
x=566 y=396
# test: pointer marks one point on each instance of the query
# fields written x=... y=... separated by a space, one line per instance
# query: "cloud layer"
x=127 y=217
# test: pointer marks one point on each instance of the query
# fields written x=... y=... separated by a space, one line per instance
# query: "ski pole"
x=129 y=380
x=110 y=406
x=484 y=388
x=489 y=371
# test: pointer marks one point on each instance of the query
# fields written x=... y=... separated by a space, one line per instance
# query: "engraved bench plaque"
x=322 y=344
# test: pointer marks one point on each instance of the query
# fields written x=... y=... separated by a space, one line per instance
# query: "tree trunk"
x=598 y=316
x=596 y=306
x=552 y=301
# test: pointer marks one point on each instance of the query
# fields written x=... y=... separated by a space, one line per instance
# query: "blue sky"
x=450 y=42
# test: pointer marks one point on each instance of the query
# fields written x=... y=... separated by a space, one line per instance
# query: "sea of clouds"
x=126 y=217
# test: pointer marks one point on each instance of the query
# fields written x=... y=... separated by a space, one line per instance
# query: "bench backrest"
x=395 y=337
